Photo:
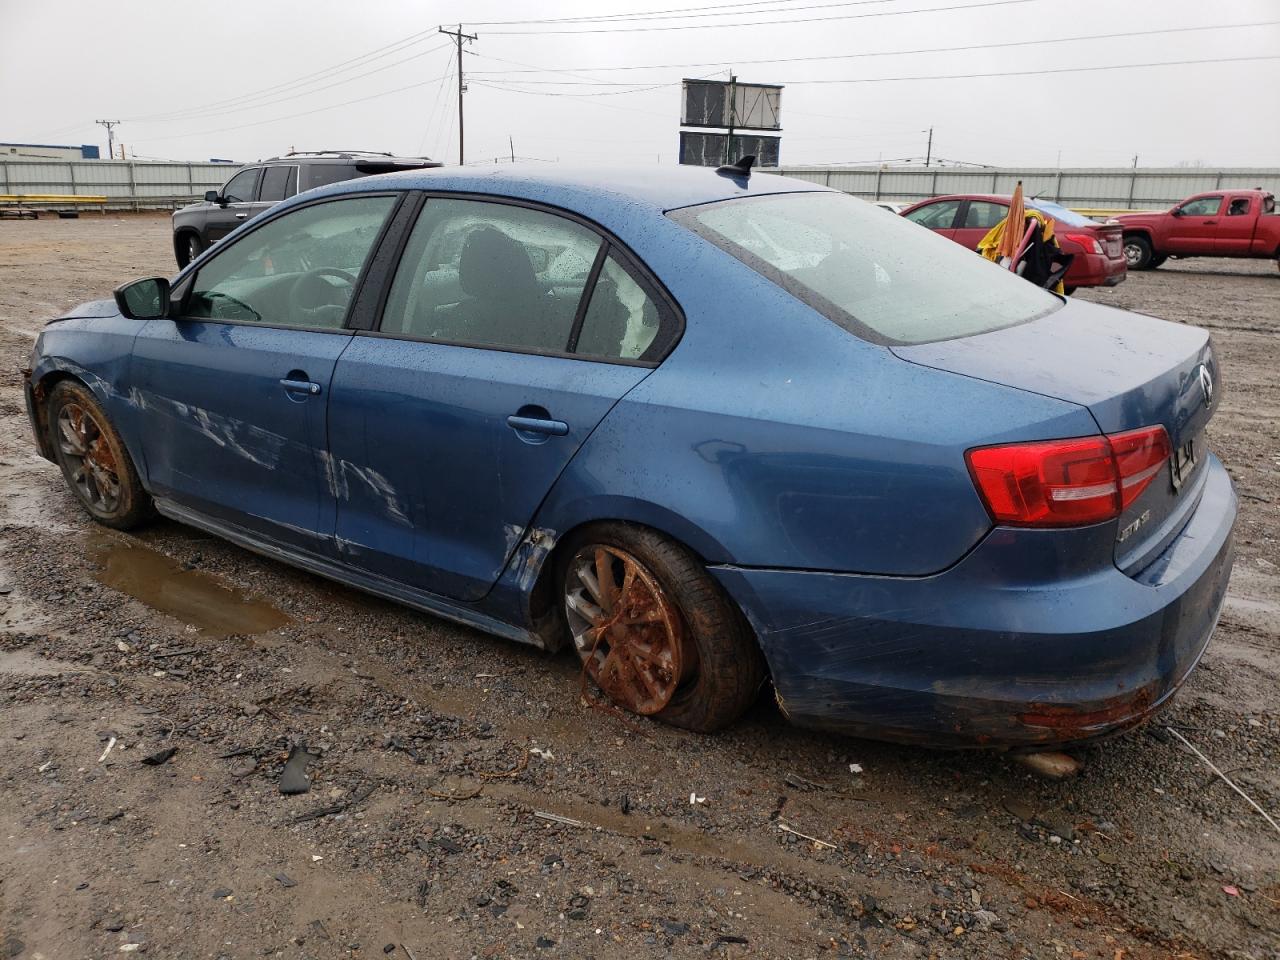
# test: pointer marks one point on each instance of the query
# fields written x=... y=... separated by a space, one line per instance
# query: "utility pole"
x=928 y=151
x=733 y=103
x=111 y=140
x=459 y=37
x=511 y=143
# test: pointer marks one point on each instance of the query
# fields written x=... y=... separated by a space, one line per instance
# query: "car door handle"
x=300 y=386
x=242 y=216
x=554 y=428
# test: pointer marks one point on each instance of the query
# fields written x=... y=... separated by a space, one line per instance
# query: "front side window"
x=984 y=215
x=878 y=277
x=935 y=216
x=491 y=274
x=242 y=187
x=298 y=270
x=1201 y=207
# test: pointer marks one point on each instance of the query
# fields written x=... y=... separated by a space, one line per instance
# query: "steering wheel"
x=315 y=298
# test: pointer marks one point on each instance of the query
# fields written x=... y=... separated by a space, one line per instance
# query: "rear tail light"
x=1090 y=243
x=1068 y=483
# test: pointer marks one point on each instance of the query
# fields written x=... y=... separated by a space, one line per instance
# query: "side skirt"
x=370 y=583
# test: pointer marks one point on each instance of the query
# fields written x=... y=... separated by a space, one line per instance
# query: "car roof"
x=577 y=188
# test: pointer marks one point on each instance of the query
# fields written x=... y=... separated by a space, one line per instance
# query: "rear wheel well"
x=544 y=605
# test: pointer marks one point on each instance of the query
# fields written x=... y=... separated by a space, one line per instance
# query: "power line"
x=765 y=23
x=717 y=10
x=324 y=73
x=190 y=115
x=885 y=53
x=291 y=116
x=947 y=76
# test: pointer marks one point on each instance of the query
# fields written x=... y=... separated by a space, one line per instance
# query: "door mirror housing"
x=145 y=299
x=213 y=196
x=1175 y=212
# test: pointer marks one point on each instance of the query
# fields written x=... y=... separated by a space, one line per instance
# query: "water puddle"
x=194 y=597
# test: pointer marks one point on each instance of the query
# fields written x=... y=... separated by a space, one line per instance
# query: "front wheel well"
x=40 y=390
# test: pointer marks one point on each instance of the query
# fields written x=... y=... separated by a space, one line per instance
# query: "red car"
x=1098 y=247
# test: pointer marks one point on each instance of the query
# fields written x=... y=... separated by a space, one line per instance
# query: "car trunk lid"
x=1130 y=371
x=1111 y=236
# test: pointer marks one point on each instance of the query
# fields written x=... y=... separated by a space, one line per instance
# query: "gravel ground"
x=465 y=802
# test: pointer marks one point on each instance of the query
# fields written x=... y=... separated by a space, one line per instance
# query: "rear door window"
x=622 y=320
x=982 y=214
x=319 y=174
x=275 y=184
x=493 y=275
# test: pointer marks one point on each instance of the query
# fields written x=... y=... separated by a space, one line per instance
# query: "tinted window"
x=241 y=189
x=876 y=276
x=1201 y=207
x=298 y=270
x=935 y=216
x=275 y=184
x=491 y=274
x=318 y=174
x=621 y=320
x=984 y=215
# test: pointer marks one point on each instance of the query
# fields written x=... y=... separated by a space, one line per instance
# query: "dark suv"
x=262 y=185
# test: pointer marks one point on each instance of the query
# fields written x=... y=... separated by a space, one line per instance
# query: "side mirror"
x=1175 y=212
x=146 y=299
x=212 y=196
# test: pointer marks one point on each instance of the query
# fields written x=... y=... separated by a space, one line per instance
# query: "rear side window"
x=984 y=215
x=319 y=174
x=879 y=277
x=278 y=183
x=622 y=320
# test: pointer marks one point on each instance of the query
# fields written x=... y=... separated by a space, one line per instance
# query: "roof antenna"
x=741 y=169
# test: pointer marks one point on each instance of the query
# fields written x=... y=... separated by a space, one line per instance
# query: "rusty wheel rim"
x=90 y=461
x=628 y=632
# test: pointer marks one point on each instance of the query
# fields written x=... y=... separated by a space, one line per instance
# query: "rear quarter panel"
x=772 y=437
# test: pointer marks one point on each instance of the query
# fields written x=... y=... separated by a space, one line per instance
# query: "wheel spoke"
x=74 y=443
x=576 y=601
x=588 y=580
x=604 y=580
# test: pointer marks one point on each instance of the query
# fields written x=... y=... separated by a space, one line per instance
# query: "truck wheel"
x=1137 y=253
x=655 y=631
x=187 y=246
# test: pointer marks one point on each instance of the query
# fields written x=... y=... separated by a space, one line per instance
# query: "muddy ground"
x=445 y=757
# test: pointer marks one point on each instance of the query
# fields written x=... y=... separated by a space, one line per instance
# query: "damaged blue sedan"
x=710 y=429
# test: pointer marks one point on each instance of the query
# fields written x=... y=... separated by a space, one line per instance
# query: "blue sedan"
x=710 y=429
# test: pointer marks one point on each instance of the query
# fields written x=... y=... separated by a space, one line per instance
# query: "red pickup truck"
x=1224 y=223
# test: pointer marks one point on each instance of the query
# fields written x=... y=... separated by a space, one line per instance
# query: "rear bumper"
x=1017 y=645
x=1095 y=270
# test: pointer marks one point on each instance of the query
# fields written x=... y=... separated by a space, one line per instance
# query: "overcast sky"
x=246 y=79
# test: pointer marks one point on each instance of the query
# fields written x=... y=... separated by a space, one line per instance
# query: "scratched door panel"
x=223 y=435
x=434 y=488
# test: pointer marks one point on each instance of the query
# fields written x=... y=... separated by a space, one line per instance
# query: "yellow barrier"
x=48 y=198
x=1106 y=211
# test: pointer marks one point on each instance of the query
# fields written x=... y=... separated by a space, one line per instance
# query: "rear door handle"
x=242 y=216
x=300 y=386
x=554 y=428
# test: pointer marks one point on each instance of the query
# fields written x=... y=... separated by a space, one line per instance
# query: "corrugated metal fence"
x=127 y=184
x=1100 y=187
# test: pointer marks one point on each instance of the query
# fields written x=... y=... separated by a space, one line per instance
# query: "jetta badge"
x=1206 y=384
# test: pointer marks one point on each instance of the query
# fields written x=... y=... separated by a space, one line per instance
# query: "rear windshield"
x=884 y=279
x=1061 y=214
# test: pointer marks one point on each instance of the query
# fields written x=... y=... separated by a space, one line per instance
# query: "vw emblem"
x=1206 y=384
